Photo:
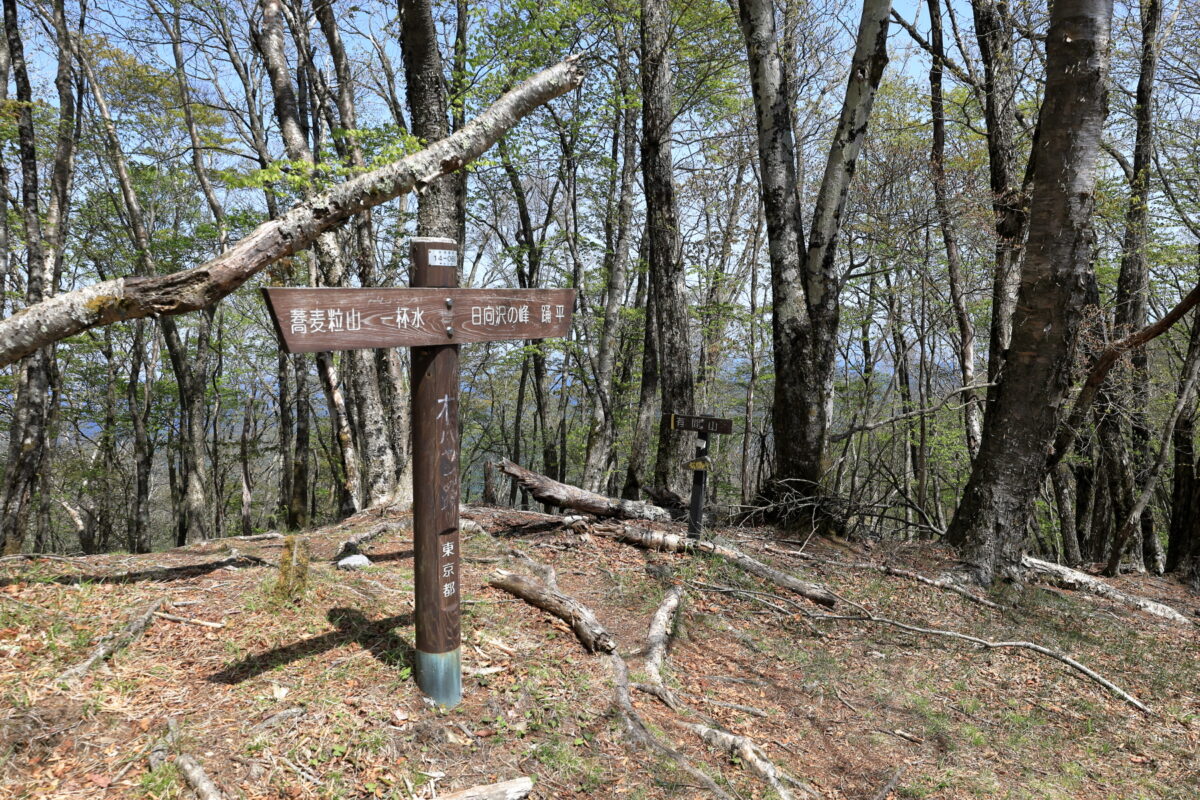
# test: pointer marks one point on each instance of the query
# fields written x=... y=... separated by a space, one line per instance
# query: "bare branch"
x=190 y=290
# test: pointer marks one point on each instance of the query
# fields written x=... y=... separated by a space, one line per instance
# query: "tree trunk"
x=639 y=447
x=1128 y=389
x=1010 y=199
x=43 y=248
x=617 y=228
x=989 y=525
x=804 y=280
x=297 y=511
x=972 y=416
x=665 y=259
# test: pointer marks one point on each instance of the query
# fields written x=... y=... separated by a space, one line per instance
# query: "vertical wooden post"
x=436 y=486
x=699 y=478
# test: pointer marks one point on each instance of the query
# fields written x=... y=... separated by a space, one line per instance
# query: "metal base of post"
x=439 y=676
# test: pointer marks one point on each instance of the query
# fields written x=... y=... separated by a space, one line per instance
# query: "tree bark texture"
x=989 y=525
x=972 y=412
x=1010 y=199
x=616 y=260
x=804 y=281
x=665 y=260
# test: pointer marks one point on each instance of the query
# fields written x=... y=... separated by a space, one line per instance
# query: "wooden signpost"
x=433 y=318
x=703 y=426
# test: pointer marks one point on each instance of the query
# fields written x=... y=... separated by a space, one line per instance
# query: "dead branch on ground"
x=945 y=584
x=190 y=621
x=550 y=491
x=1067 y=578
x=985 y=644
x=588 y=630
x=673 y=543
x=111 y=644
x=515 y=789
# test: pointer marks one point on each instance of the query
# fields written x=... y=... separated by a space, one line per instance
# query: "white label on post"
x=443 y=258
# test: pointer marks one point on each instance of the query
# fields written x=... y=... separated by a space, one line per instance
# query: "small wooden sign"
x=699 y=465
x=701 y=424
x=319 y=320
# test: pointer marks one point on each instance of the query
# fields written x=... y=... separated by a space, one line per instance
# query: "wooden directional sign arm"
x=317 y=320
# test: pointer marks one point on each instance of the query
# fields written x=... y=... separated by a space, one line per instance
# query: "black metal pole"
x=699 y=477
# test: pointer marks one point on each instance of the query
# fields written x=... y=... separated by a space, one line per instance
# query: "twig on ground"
x=202 y=622
x=844 y=701
x=944 y=584
x=891 y=784
x=111 y=644
x=281 y=716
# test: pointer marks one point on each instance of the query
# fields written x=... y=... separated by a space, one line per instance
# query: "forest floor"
x=853 y=709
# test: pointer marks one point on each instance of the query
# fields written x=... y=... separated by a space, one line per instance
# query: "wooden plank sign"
x=700 y=424
x=433 y=318
x=320 y=320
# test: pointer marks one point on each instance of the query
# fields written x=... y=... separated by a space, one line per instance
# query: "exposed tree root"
x=640 y=734
x=193 y=773
x=111 y=644
x=197 y=778
x=1067 y=578
x=352 y=545
x=551 y=492
x=657 y=639
x=546 y=595
x=673 y=543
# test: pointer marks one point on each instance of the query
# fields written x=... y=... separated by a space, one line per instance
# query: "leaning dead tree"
x=127 y=298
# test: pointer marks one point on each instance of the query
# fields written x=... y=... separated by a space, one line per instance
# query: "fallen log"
x=516 y=789
x=111 y=644
x=1073 y=579
x=588 y=630
x=197 y=778
x=674 y=543
x=549 y=491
